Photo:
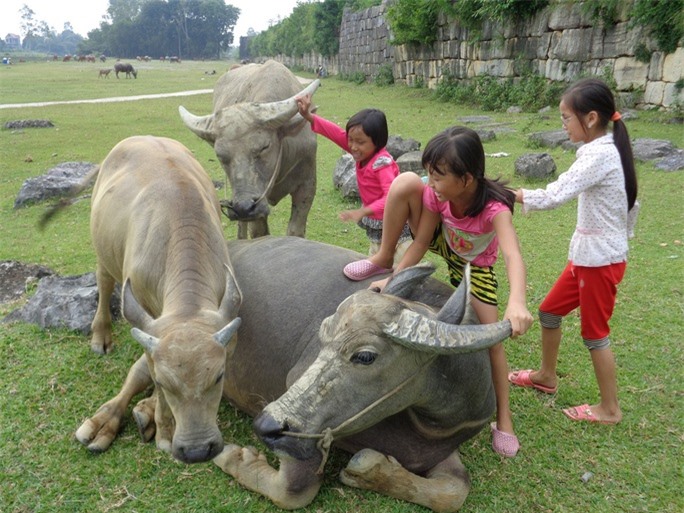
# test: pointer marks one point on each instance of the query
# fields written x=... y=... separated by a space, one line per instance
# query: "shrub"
x=385 y=76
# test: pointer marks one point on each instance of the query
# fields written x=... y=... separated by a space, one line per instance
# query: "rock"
x=344 y=177
x=535 y=165
x=486 y=135
x=29 y=123
x=651 y=149
x=57 y=182
x=672 y=162
x=397 y=146
x=64 y=302
x=549 y=139
x=15 y=276
x=411 y=161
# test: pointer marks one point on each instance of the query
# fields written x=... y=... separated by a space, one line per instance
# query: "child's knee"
x=549 y=320
x=601 y=343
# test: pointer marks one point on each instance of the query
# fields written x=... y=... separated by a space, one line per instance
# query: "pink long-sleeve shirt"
x=374 y=178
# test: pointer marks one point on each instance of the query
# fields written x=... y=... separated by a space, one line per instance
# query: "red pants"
x=593 y=290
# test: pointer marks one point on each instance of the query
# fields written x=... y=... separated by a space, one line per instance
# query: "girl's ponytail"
x=624 y=146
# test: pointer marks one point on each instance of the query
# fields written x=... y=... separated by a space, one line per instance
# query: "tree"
x=29 y=25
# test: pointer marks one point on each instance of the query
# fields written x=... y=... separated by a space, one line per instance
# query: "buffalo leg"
x=101 y=341
x=293 y=486
x=443 y=489
x=98 y=432
x=258 y=227
x=302 y=199
x=154 y=419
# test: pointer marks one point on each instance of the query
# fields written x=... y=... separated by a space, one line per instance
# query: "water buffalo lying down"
x=266 y=148
x=389 y=378
x=156 y=227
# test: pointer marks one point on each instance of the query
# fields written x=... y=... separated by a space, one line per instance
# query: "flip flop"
x=584 y=413
x=362 y=269
x=505 y=444
x=522 y=379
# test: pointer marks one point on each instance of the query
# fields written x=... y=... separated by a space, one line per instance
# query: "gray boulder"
x=535 y=165
x=411 y=161
x=651 y=149
x=344 y=177
x=672 y=162
x=64 y=302
x=397 y=146
x=550 y=139
x=57 y=182
x=16 y=277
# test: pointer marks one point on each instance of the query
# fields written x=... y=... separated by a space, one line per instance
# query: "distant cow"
x=121 y=67
x=104 y=73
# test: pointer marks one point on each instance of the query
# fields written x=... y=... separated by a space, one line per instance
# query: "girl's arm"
x=321 y=125
x=516 y=309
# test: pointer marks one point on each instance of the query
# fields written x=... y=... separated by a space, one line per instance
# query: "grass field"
x=50 y=381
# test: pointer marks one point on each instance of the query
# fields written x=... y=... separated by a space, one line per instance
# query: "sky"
x=86 y=15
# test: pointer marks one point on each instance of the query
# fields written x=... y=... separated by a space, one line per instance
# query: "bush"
x=385 y=76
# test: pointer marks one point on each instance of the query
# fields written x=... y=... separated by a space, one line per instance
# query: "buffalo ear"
x=133 y=312
x=403 y=283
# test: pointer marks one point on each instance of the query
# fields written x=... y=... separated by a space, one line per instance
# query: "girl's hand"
x=304 y=106
x=518 y=196
x=380 y=284
x=520 y=318
x=352 y=215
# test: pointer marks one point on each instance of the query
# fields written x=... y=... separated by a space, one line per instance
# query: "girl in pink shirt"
x=365 y=138
x=465 y=218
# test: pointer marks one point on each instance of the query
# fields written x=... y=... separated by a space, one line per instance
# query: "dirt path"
x=121 y=98
x=106 y=100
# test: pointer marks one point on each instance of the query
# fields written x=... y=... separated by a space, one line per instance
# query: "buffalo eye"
x=219 y=379
x=363 y=357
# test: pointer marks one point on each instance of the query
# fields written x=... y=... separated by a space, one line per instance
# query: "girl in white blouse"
x=603 y=180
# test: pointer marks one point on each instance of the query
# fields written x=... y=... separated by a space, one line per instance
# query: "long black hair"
x=460 y=150
x=374 y=125
x=592 y=94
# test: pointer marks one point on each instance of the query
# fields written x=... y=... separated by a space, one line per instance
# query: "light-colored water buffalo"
x=263 y=144
x=156 y=228
x=392 y=377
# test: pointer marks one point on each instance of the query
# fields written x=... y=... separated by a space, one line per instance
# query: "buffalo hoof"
x=368 y=469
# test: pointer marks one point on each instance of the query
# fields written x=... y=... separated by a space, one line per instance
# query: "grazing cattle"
x=264 y=145
x=156 y=228
x=104 y=73
x=391 y=377
x=125 y=67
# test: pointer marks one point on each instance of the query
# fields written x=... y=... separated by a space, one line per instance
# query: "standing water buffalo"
x=263 y=144
x=121 y=67
x=156 y=228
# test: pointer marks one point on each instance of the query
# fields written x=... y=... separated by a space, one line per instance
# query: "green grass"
x=51 y=381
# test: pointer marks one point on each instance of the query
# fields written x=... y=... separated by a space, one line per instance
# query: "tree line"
x=190 y=29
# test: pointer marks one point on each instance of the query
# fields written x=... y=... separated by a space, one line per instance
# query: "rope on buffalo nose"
x=327 y=437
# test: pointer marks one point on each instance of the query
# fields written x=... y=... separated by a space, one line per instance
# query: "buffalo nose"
x=267 y=428
x=198 y=454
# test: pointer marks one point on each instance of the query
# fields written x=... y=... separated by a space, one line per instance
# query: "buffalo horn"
x=200 y=125
x=280 y=112
x=224 y=335
x=419 y=332
x=149 y=342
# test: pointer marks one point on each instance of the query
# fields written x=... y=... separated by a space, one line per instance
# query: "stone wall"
x=559 y=43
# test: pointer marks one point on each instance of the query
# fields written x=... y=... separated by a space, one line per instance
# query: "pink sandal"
x=505 y=444
x=363 y=269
